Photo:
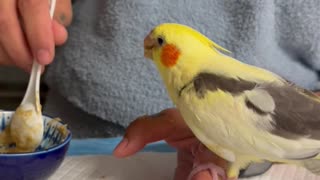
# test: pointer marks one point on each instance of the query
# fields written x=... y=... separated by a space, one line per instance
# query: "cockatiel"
x=242 y=113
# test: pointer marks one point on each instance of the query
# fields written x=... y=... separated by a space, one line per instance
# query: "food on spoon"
x=25 y=131
x=9 y=145
x=26 y=128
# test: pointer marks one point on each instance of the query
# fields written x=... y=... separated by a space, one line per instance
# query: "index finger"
x=148 y=129
x=38 y=29
x=12 y=38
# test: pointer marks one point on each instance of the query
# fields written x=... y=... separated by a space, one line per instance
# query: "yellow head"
x=168 y=42
x=179 y=53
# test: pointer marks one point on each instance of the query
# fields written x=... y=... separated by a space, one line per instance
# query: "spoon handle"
x=52 y=6
x=33 y=86
x=34 y=80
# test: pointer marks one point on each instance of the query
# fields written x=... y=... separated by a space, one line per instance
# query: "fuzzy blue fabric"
x=101 y=70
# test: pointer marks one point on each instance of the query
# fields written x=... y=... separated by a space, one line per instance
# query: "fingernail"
x=43 y=56
x=121 y=146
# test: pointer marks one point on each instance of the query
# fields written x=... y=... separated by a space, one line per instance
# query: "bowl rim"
x=66 y=141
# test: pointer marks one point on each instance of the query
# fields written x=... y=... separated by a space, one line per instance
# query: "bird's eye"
x=160 y=41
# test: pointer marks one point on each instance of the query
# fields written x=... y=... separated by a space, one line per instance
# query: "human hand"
x=168 y=125
x=27 y=31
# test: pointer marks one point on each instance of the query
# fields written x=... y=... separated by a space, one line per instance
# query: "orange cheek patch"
x=169 y=55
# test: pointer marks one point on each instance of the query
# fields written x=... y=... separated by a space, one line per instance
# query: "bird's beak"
x=149 y=44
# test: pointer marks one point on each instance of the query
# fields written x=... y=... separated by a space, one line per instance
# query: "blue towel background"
x=102 y=72
x=106 y=146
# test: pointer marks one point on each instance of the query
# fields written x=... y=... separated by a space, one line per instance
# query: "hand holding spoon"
x=26 y=127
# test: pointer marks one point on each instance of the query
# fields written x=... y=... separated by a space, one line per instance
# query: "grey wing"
x=295 y=111
x=286 y=111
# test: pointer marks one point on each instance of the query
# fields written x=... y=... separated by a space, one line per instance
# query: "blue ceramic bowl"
x=42 y=163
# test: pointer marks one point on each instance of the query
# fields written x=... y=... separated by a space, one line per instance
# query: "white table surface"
x=92 y=160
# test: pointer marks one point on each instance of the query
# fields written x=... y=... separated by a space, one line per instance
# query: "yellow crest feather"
x=207 y=41
x=198 y=35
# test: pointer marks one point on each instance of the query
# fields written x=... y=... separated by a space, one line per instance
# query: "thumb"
x=203 y=175
x=185 y=166
x=207 y=164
